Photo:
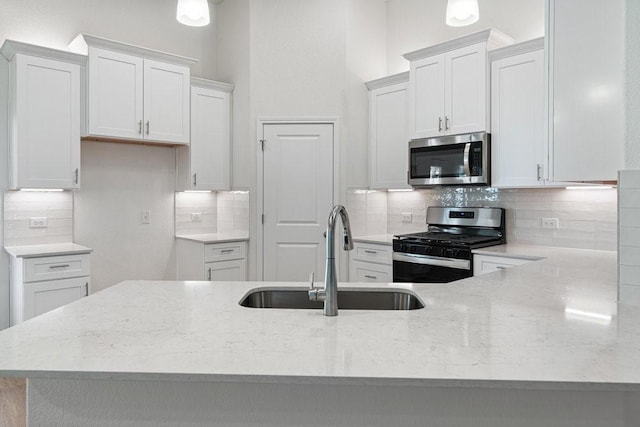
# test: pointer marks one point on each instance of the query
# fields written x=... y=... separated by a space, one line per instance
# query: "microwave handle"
x=467 y=165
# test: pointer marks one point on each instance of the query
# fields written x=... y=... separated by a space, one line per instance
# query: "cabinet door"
x=388 y=148
x=517 y=121
x=45 y=133
x=115 y=94
x=426 y=97
x=587 y=82
x=360 y=271
x=234 y=271
x=210 y=148
x=166 y=102
x=466 y=90
x=41 y=297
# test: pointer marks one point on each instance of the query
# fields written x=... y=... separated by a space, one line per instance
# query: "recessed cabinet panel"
x=45 y=135
x=466 y=90
x=232 y=271
x=517 y=121
x=115 y=94
x=42 y=297
x=426 y=106
x=388 y=137
x=166 y=102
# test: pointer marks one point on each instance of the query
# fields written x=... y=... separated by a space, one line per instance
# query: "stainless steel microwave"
x=450 y=160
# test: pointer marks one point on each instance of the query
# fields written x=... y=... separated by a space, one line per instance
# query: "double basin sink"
x=348 y=299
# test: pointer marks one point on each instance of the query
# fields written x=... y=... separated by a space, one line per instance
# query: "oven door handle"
x=467 y=160
x=460 y=264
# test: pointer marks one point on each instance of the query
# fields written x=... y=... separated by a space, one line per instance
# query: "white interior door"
x=298 y=197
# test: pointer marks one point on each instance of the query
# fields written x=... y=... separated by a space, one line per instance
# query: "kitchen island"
x=541 y=344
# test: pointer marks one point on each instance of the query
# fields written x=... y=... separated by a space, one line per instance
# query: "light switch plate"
x=407 y=217
x=195 y=217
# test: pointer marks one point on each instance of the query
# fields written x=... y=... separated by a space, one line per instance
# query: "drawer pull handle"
x=86 y=289
x=209 y=275
x=59 y=266
x=499 y=267
x=370 y=252
x=226 y=251
x=370 y=277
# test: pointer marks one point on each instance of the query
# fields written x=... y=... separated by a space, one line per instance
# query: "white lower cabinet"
x=211 y=261
x=41 y=284
x=483 y=264
x=370 y=262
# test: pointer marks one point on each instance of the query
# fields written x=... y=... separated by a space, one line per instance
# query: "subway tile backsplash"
x=219 y=212
x=20 y=206
x=587 y=217
x=629 y=232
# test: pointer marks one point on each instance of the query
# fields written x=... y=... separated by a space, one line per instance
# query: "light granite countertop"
x=54 y=249
x=549 y=324
x=214 y=237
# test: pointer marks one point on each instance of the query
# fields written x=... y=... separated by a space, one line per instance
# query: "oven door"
x=449 y=160
x=414 y=268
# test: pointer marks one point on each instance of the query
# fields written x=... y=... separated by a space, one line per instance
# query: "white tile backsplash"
x=588 y=219
x=20 y=206
x=204 y=204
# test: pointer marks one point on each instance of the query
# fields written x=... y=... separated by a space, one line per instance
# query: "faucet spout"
x=330 y=275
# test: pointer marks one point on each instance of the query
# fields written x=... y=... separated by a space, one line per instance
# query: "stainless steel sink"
x=348 y=299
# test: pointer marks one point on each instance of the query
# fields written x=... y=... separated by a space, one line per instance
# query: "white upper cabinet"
x=448 y=85
x=518 y=138
x=586 y=82
x=206 y=163
x=44 y=116
x=136 y=93
x=388 y=135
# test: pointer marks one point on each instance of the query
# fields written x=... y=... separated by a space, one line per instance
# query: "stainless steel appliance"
x=450 y=160
x=443 y=253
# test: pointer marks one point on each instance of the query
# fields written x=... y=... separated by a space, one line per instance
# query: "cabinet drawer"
x=56 y=267
x=483 y=264
x=370 y=252
x=45 y=296
x=360 y=271
x=224 y=251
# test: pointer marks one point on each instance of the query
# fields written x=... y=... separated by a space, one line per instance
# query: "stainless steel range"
x=443 y=253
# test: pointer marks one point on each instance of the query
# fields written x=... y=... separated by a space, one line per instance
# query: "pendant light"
x=194 y=13
x=462 y=12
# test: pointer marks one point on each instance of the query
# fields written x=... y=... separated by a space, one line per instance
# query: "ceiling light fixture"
x=194 y=13
x=462 y=12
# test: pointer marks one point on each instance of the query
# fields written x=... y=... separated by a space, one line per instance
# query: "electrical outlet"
x=38 y=222
x=551 y=223
x=146 y=217
x=195 y=217
x=407 y=217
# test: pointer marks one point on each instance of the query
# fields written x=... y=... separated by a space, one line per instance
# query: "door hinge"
x=262 y=141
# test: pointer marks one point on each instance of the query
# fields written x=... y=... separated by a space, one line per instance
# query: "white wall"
x=147 y=23
x=4 y=183
x=414 y=24
x=289 y=58
x=118 y=182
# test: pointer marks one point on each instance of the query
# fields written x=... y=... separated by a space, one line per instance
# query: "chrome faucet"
x=330 y=292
